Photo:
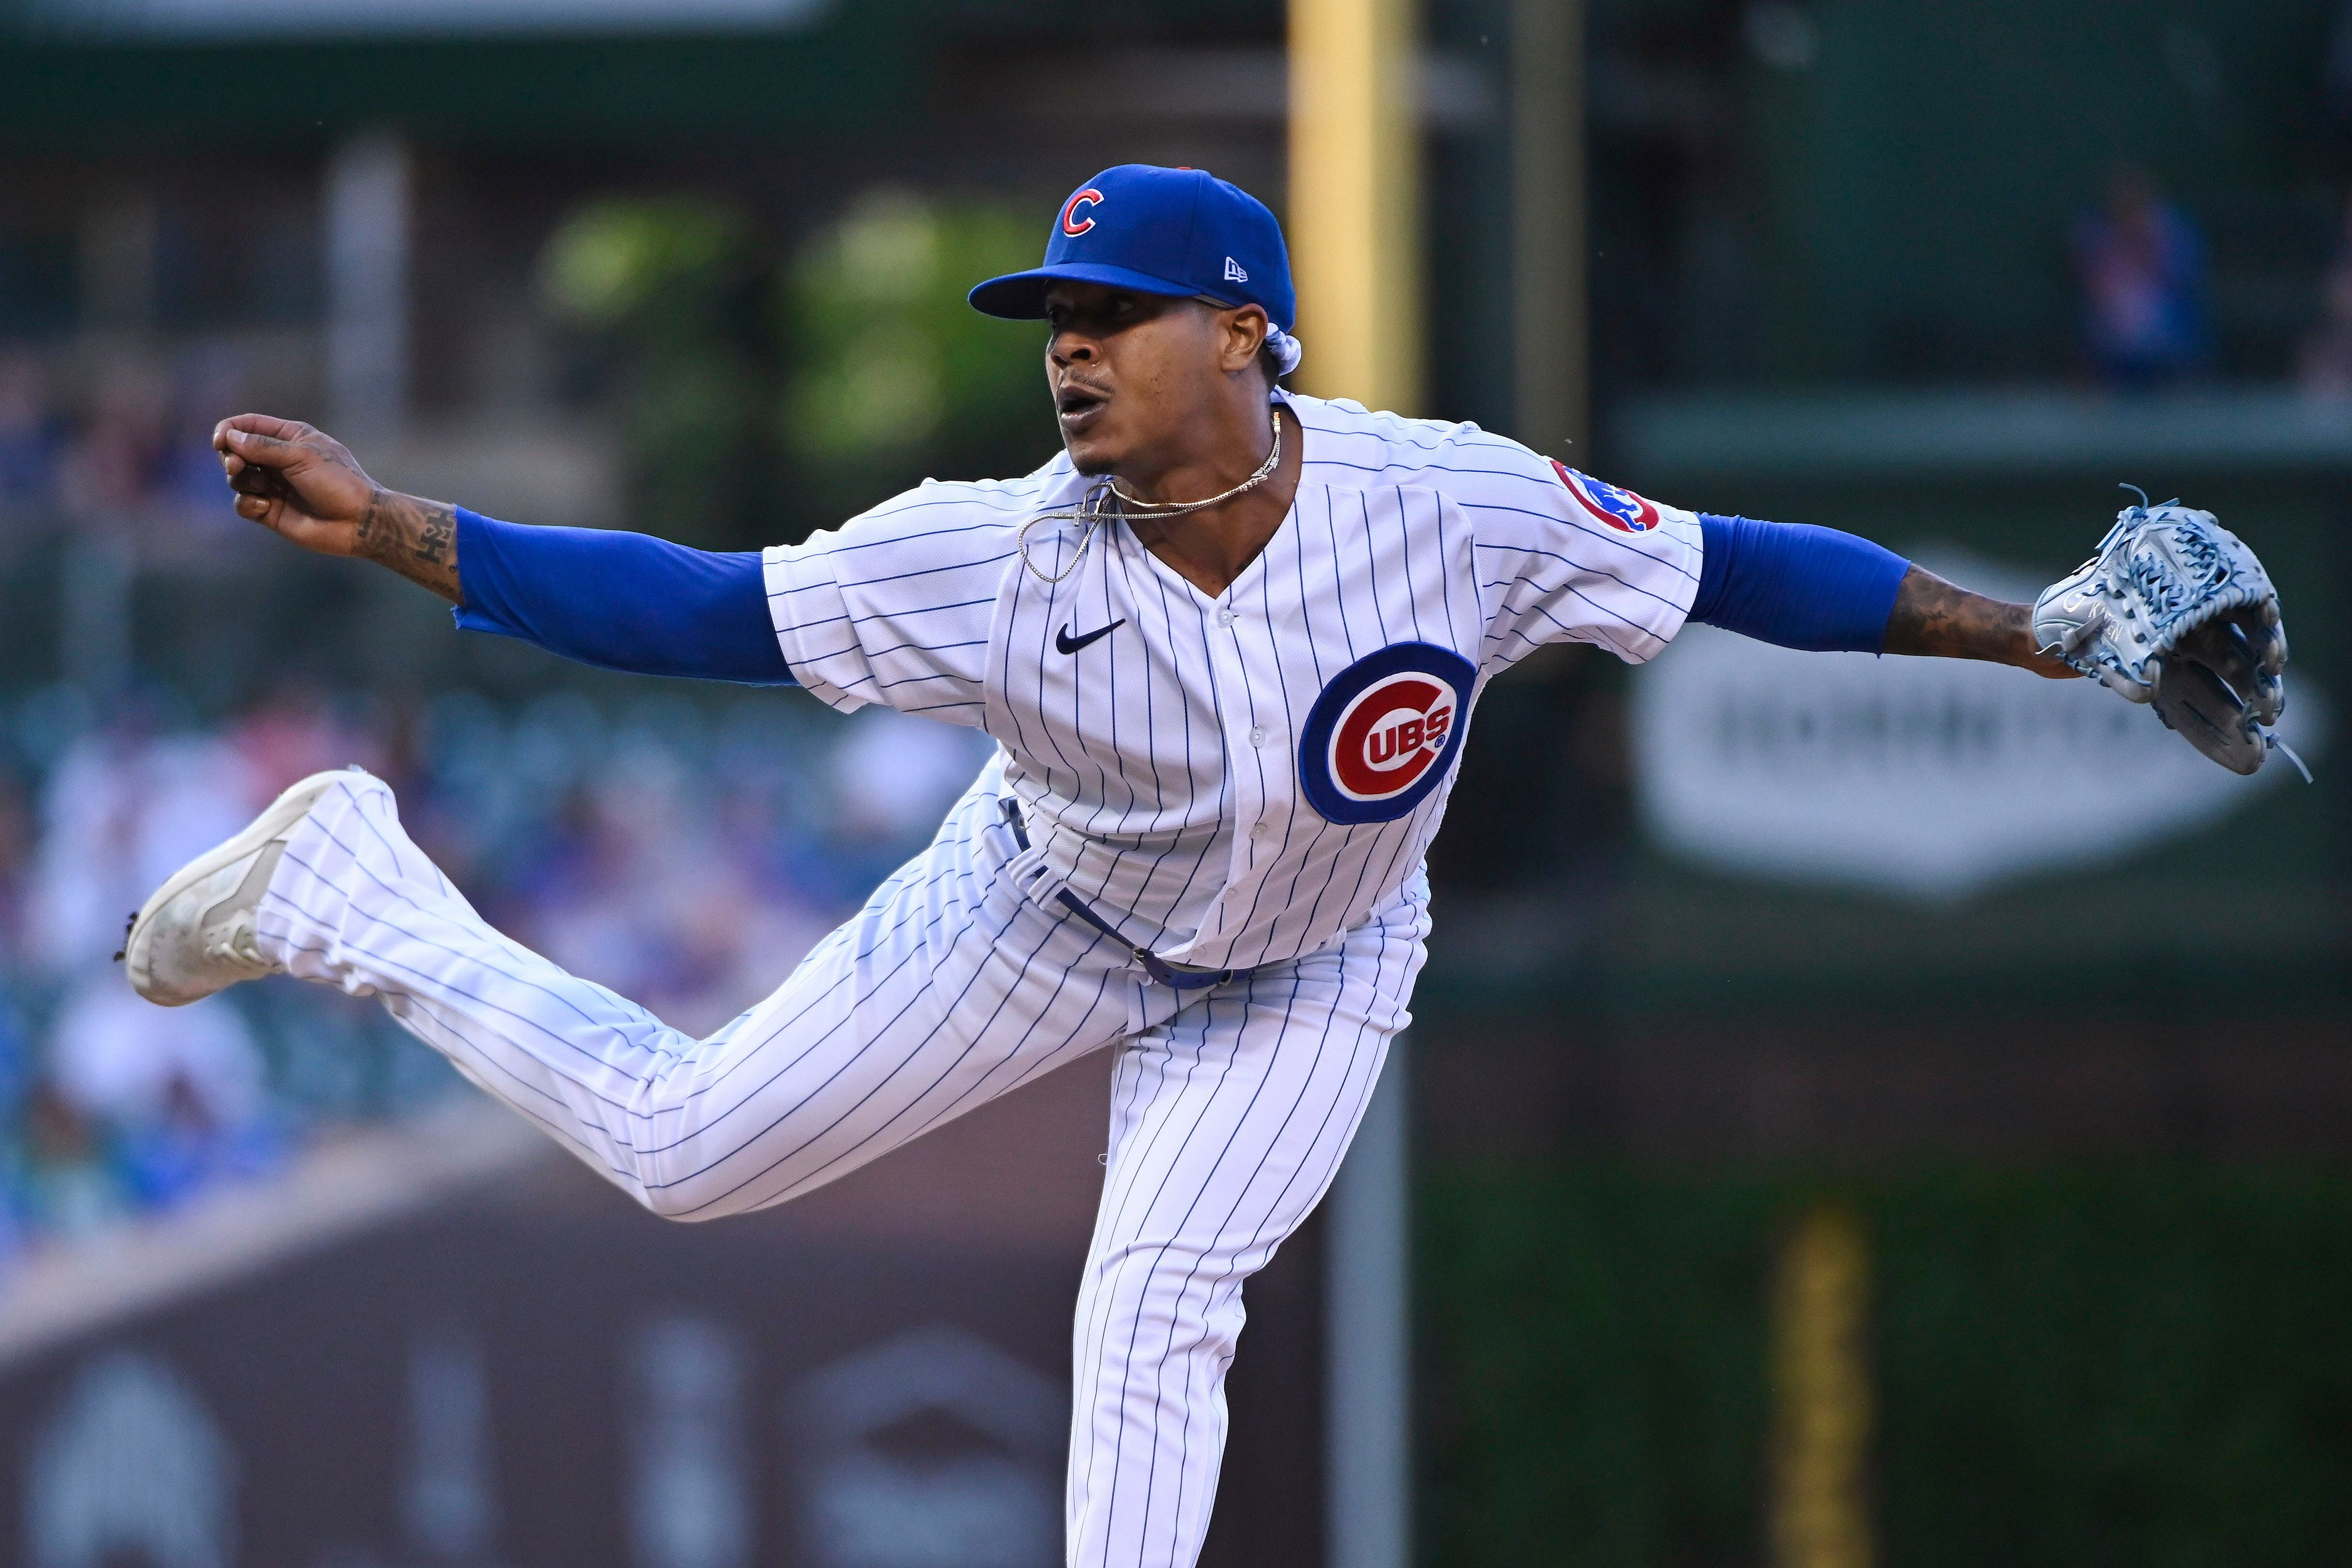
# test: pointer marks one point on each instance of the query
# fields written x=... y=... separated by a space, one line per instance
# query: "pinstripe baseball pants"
x=1229 y=1110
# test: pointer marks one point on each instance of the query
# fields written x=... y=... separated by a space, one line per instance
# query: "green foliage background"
x=762 y=395
x=2128 y=1367
x=896 y=377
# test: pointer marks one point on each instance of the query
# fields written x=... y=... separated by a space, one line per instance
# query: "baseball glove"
x=2173 y=610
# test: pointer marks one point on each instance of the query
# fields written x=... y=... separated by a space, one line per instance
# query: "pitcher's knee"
x=678 y=1168
x=676 y=1203
x=1176 y=1302
x=684 y=1183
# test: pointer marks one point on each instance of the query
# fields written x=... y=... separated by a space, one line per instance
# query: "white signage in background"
x=934 y=1450
x=1930 y=777
x=691 y=1492
x=449 y=1493
x=130 y=1469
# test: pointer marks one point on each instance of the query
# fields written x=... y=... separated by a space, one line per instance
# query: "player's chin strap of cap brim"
x=1153 y=965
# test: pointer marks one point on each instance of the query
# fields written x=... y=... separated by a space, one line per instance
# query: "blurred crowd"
x=129 y=444
x=685 y=848
x=686 y=854
x=2146 y=284
x=2147 y=294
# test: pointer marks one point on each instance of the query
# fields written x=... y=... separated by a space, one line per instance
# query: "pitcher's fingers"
x=264 y=423
x=256 y=447
x=267 y=425
x=254 y=509
x=234 y=468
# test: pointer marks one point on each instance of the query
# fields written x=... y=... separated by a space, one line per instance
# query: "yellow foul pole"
x=1354 y=227
x=1355 y=199
x=1819 y=1514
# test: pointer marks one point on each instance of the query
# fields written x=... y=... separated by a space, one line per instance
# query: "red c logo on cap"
x=1071 y=223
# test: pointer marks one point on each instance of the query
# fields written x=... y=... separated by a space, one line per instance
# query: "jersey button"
x=1257 y=737
x=1225 y=616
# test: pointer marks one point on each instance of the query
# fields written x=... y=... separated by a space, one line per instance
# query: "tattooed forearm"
x=416 y=538
x=1935 y=618
x=436 y=541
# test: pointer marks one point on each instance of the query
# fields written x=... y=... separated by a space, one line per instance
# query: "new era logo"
x=1234 y=273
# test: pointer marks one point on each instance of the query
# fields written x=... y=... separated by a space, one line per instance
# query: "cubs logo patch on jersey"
x=1382 y=735
x=1620 y=508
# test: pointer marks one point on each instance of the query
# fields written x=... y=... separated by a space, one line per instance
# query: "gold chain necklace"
x=1098 y=508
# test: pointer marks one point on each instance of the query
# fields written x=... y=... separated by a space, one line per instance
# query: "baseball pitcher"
x=1228 y=642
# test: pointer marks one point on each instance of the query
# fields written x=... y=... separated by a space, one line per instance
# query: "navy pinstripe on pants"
x=1230 y=1110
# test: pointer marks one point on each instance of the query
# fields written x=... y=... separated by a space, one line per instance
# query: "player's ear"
x=1245 y=329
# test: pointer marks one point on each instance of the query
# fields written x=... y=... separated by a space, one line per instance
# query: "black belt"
x=1153 y=965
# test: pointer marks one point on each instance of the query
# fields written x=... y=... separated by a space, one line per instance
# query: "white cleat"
x=195 y=936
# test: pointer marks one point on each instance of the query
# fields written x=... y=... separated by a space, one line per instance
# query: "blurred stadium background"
x=1859 y=1112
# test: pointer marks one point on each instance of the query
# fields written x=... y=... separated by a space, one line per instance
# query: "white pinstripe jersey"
x=1238 y=779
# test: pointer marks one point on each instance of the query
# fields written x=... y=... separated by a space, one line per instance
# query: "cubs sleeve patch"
x=1620 y=508
x=1382 y=734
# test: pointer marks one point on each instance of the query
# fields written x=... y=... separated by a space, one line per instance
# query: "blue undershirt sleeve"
x=1795 y=585
x=620 y=601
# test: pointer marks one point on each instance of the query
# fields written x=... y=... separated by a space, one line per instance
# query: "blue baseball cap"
x=1180 y=231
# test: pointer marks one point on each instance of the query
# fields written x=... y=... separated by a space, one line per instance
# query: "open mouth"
x=1078 y=406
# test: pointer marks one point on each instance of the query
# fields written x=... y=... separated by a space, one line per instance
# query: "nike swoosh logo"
x=1070 y=645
